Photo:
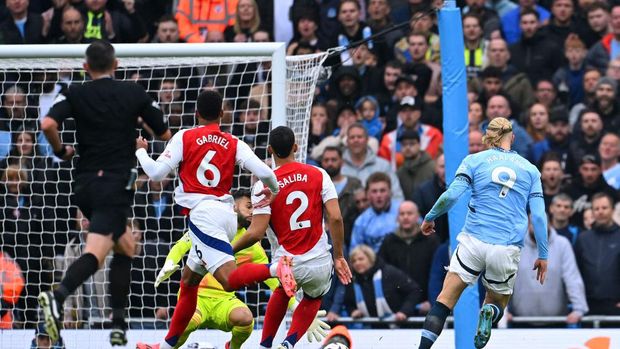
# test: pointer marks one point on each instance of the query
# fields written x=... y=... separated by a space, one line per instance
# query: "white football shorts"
x=212 y=225
x=313 y=276
x=496 y=264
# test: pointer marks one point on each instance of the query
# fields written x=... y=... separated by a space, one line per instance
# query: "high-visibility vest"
x=197 y=17
x=12 y=282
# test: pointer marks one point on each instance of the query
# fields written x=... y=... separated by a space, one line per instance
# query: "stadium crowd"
x=552 y=67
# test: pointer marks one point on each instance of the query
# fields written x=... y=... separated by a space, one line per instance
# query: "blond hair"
x=364 y=249
x=255 y=21
x=496 y=131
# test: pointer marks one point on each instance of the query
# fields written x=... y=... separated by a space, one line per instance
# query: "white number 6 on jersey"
x=507 y=184
x=298 y=195
x=206 y=165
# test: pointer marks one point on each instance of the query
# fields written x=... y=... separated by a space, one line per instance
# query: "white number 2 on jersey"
x=206 y=165
x=507 y=184
x=298 y=195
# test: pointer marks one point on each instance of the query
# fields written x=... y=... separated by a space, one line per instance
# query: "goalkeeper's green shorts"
x=213 y=313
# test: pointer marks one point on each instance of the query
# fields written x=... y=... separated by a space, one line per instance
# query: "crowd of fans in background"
x=551 y=67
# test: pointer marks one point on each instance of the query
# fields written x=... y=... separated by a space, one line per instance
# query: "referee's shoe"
x=118 y=337
x=52 y=312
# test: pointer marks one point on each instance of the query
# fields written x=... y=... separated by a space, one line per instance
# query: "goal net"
x=42 y=230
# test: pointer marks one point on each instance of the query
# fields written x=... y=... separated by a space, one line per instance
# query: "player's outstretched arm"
x=539 y=221
x=255 y=233
x=168 y=161
x=336 y=229
x=448 y=198
x=180 y=248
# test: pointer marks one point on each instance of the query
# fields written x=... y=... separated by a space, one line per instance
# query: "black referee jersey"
x=106 y=115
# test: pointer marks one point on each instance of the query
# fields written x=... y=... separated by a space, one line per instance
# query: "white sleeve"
x=246 y=158
x=256 y=197
x=328 y=191
x=167 y=161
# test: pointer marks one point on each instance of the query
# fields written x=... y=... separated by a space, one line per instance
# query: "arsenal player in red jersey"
x=206 y=158
x=294 y=223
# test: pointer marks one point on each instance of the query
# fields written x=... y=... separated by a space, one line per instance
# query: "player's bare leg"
x=452 y=289
x=97 y=248
x=490 y=314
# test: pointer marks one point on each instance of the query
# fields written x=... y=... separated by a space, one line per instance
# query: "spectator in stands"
x=601 y=53
x=16 y=111
x=589 y=181
x=12 y=284
x=409 y=250
x=404 y=86
x=418 y=167
x=167 y=30
x=247 y=21
x=606 y=105
x=361 y=200
x=557 y=139
x=475 y=115
x=379 y=219
x=72 y=27
x=52 y=17
x=378 y=19
x=560 y=211
x=114 y=26
x=515 y=83
x=492 y=84
x=306 y=31
x=205 y=20
x=563 y=22
x=591 y=78
x=563 y=293
x=537 y=122
x=588 y=140
x=498 y=106
x=475 y=141
x=319 y=125
x=369 y=112
x=365 y=63
x=428 y=192
x=169 y=92
x=510 y=21
x=598 y=17
x=351 y=28
x=547 y=95
x=22 y=26
x=552 y=176
x=396 y=297
x=475 y=45
x=409 y=119
x=361 y=161
x=346 y=186
x=156 y=213
x=424 y=72
x=384 y=89
x=488 y=16
x=345 y=87
x=609 y=151
x=569 y=77
x=599 y=259
x=613 y=69
x=251 y=129
x=534 y=54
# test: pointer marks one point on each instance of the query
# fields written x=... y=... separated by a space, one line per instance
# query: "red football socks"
x=183 y=312
x=276 y=309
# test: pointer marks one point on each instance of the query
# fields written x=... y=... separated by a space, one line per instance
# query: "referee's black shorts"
x=104 y=199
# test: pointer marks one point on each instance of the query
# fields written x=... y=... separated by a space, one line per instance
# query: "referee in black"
x=106 y=113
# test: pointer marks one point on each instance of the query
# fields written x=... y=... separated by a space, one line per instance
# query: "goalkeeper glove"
x=318 y=329
x=169 y=268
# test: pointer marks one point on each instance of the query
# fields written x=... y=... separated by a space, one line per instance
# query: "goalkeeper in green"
x=221 y=310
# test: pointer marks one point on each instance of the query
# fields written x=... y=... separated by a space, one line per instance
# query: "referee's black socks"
x=120 y=278
x=78 y=272
x=433 y=325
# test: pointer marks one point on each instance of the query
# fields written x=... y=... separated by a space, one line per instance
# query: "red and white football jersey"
x=206 y=158
x=297 y=210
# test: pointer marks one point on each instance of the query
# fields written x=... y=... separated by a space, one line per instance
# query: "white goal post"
x=41 y=228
